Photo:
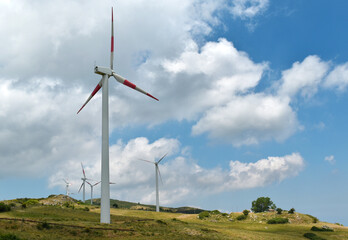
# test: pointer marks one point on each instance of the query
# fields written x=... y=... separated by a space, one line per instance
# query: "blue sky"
x=252 y=101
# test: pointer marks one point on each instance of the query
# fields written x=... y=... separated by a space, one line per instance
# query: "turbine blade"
x=131 y=85
x=162 y=158
x=145 y=160
x=89 y=183
x=112 y=183
x=81 y=186
x=112 y=39
x=83 y=171
x=96 y=89
x=159 y=172
x=96 y=183
x=65 y=181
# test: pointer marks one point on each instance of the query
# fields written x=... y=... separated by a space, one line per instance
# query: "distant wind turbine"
x=157 y=173
x=67 y=186
x=92 y=185
x=107 y=72
x=83 y=182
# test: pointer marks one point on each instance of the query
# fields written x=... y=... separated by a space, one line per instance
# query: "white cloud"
x=337 y=78
x=303 y=77
x=248 y=8
x=330 y=159
x=183 y=178
x=249 y=119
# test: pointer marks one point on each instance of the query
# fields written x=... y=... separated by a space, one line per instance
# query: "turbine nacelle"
x=103 y=70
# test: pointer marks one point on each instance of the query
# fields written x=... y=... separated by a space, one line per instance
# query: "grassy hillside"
x=72 y=220
x=138 y=206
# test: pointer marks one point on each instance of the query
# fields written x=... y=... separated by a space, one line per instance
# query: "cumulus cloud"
x=337 y=78
x=249 y=119
x=304 y=77
x=183 y=178
x=330 y=159
x=248 y=8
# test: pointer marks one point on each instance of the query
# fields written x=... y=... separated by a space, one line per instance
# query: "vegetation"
x=279 y=210
x=246 y=212
x=314 y=219
x=322 y=229
x=60 y=222
x=203 y=215
x=262 y=204
x=278 y=221
x=312 y=236
x=291 y=211
x=241 y=217
x=4 y=207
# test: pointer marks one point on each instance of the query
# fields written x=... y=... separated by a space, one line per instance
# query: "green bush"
x=278 y=221
x=4 y=207
x=9 y=237
x=262 y=204
x=43 y=225
x=86 y=209
x=31 y=202
x=241 y=217
x=246 y=212
x=314 y=228
x=291 y=211
x=279 y=210
x=203 y=215
x=312 y=236
x=215 y=212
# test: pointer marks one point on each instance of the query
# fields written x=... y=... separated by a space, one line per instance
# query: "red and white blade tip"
x=96 y=89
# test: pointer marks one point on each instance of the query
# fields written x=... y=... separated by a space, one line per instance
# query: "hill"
x=137 y=206
x=73 y=220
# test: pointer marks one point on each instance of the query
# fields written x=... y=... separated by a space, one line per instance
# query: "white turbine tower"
x=83 y=182
x=67 y=184
x=107 y=72
x=157 y=173
x=92 y=185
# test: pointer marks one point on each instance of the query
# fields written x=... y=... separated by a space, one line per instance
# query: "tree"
x=291 y=211
x=279 y=210
x=262 y=204
x=246 y=212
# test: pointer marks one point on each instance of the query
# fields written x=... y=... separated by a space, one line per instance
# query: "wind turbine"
x=107 y=72
x=67 y=187
x=157 y=173
x=83 y=182
x=92 y=185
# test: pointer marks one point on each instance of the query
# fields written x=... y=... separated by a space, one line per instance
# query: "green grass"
x=56 y=222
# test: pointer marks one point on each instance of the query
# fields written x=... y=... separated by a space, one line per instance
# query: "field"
x=81 y=221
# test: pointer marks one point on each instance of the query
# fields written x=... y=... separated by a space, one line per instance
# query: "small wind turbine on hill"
x=92 y=185
x=83 y=182
x=67 y=186
x=107 y=72
x=157 y=173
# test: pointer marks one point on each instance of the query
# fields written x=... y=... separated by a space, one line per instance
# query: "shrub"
x=215 y=212
x=115 y=205
x=43 y=225
x=4 y=207
x=323 y=229
x=241 y=217
x=224 y=214
x=31 y=202
x=279 y=210
x=262 y=204
x=24 y=205
x=312 y=236
x=246 y=212
x=291 y=211
x=314 y=219
x=278 y=221
x=9 y=237
x=86 y=209
x=203 y=215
